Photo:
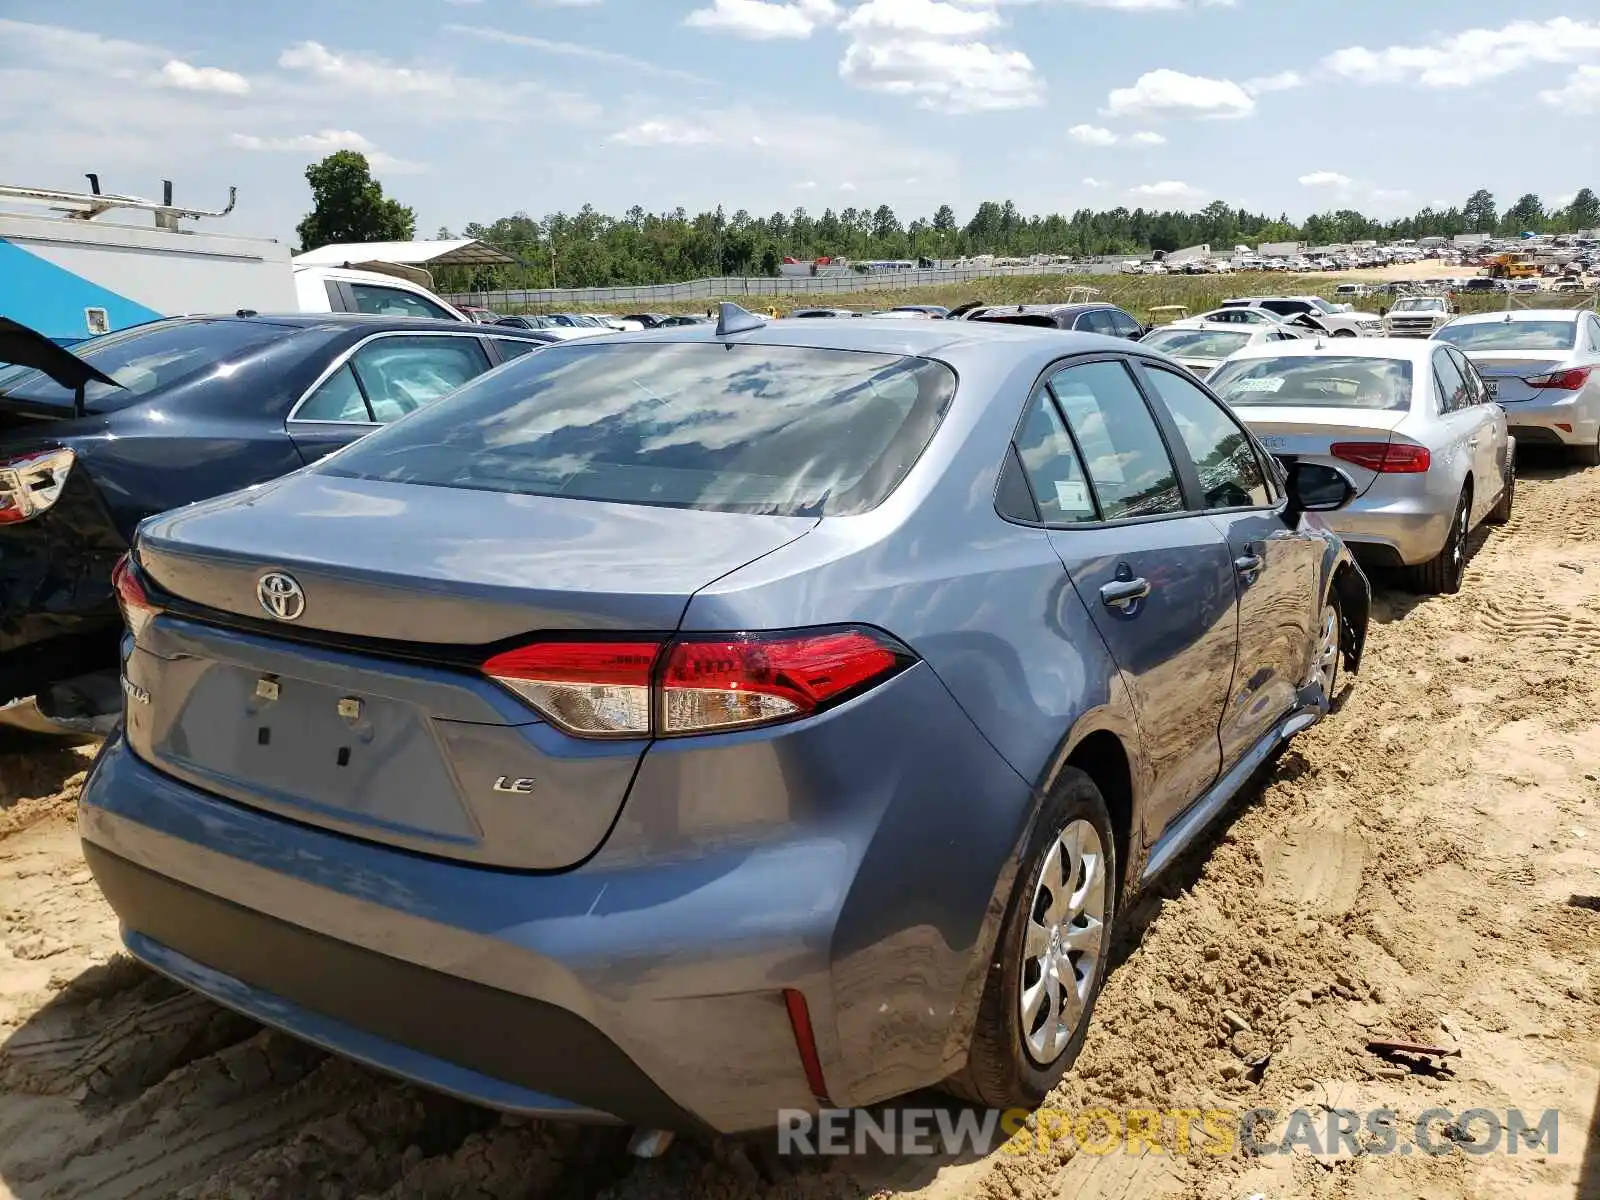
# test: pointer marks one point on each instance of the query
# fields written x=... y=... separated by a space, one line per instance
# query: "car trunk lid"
x=368 y=713
x=1505 y=371
x=1307 y=434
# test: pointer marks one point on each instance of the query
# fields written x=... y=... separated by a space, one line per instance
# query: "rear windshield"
x=1198 y=343
x=1511 y=335
x=145 y=359
x=1038 y=320
x=737 y=428
x=1321 y=382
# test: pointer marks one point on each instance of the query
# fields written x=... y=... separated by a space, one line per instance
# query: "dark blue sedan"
x=184 y=409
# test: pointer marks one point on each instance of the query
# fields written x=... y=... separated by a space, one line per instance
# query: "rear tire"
x=1501 y=512
x=1015 y=1060
x=1441 y=575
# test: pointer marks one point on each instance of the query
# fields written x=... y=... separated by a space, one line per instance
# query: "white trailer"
x=72 y=277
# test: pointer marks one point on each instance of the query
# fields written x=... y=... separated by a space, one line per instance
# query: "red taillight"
x=702 y=685
x=599 y=689
x=32 y=483
x=1561 y=381
x=132 y=599
x=1387 y=458
x=752 y=680
x=805 y=1042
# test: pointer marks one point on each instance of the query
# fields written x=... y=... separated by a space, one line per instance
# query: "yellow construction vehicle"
x=1512 y=266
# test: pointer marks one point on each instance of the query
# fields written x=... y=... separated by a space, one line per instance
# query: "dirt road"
x=1424 y=866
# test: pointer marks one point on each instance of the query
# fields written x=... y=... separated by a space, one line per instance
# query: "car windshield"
x=144 y=359
x=1421 y=304
x=782 y=430
x=1511 y=335
x=1315 y=382
x=1323 y=304
x=1198 y=343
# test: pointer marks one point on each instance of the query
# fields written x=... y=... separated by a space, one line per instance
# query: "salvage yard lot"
x=1424 y=866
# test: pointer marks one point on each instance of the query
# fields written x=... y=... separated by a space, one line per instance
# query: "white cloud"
x=1167 y=189
x=1283 y=81
x=363 y=73
x=1091 y=181
x=1092 y=135
x=847 y=186
x=1172 y=93
x=324 y=142
x=1148 y=138
x=667 y=133
x=1579 y=95
x=1325 y=179
x=953 y=76
x=187 y=78
x=761 y=20
x=923 y=18
x=1472 y=56
x=807 y=185
x=485 y=33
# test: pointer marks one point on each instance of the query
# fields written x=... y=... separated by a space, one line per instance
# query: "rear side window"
x=401 y=374
x=1453 y=393
x=1060 y=487
x=396 y=302
x=1127 y=461
x=514 y=347
x=783 y=430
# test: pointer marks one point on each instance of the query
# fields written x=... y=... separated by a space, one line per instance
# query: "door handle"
x=1248 y=564
x=1124 y=594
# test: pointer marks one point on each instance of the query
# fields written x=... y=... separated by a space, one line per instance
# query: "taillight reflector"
x=132 y=599
x=1388 y=458
x=1561 y=381
x=693 y=685
x=805 y=1042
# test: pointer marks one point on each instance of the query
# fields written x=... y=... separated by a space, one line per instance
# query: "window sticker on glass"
x=1072 y=494
x=1269 y=384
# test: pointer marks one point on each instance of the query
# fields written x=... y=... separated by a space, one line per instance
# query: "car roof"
x=947 y=341
x=1055 y=310
x=1194 y=323
x=1417 y=350
x=1520 y=314
x=335 y=322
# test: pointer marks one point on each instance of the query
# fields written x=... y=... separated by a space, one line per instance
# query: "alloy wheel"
x=1328 y=651
x=1064 y=940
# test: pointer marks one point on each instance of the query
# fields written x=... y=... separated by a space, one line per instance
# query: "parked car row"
x=620 y=713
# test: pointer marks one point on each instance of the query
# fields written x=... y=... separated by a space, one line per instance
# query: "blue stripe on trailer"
x=52 y=299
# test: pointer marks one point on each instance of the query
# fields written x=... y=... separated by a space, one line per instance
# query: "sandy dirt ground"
x=1425 y=865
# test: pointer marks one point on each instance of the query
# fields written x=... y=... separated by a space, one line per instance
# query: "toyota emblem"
x=280 y=596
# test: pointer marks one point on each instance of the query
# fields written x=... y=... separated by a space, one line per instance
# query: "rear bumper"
x=1388 y=531
x=646 y=985
x=1535 y=423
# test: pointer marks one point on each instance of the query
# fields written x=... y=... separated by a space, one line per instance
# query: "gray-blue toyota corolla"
x=681 y=727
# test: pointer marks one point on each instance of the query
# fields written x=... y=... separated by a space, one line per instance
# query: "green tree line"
x=590 y=249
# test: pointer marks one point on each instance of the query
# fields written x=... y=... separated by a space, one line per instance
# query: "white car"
x=1543 y=367
x=1335 y=319
x=348 y=289
x=1200 y=346
x=1408 y=423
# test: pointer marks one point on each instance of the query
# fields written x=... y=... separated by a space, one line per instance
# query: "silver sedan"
x=1409 y=423
x=1543 y=366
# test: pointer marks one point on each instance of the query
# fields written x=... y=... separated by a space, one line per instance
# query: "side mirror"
x=1313 y=487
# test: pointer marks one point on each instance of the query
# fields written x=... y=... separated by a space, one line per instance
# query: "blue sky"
x=472 y=109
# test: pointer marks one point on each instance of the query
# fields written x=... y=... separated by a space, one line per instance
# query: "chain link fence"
x=642 y=295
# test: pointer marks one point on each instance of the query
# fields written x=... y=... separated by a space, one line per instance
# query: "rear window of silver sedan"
x=1302 y=381
x=781 y=430
x=1511 y=335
